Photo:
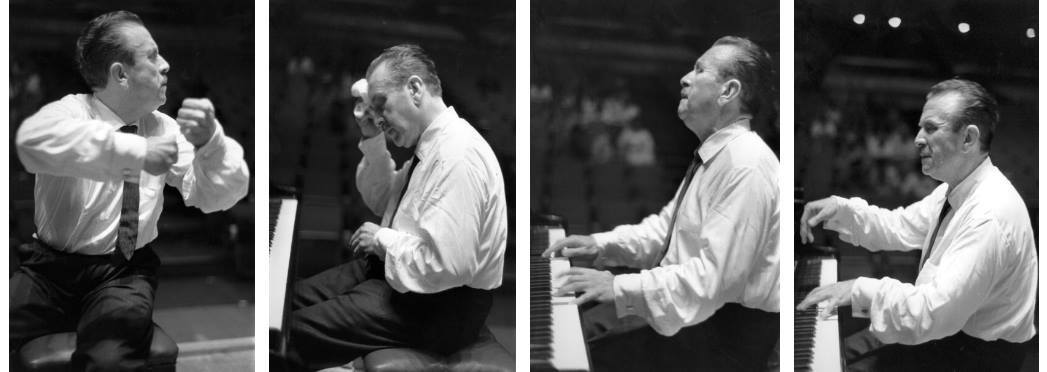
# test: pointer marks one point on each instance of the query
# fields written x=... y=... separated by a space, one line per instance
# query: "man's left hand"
x=196 y=118
x=363 y=242
x=595 y=285
x=834 y=295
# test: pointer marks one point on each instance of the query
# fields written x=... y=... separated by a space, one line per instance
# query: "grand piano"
x=283 y=211
x=557 y=343
x=816 y=342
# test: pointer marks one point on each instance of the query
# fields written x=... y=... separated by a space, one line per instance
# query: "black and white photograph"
x=131 y=129
x=654 y=185
x=392 y=161
x=916 y=178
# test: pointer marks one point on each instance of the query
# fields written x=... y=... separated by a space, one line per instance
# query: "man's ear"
x=118 y=73
x=415 y=88
x=971 y=134
x=729 y=91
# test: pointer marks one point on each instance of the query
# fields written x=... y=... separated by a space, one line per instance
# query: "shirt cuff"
x=603 y=239
x=129 y=151
x=214 y=144
x=862 y=293
x=386 y=238
x=628 y=295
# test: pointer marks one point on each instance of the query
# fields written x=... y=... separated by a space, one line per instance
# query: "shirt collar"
x=107 y=115
x=963 y=190
x=716 y=142
x=427 y=141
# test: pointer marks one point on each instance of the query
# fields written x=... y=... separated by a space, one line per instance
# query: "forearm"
x=375 y=173
x=638 y=245
x=879 y=229
x=219 y=176
x=56 y=142
x=669 y=297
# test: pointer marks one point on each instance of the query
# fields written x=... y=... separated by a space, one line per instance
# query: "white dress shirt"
x=980 y=277
x=81 y=160
x=451 y=227
x=724 y=246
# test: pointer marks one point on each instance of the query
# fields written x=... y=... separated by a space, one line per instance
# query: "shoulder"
x=73 y=104
x=747 y=156
x=462 y=149
x=996 y=200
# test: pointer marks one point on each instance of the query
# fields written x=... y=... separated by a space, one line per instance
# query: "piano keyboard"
x=817 y=342
x=557 y=343
x=281 y=235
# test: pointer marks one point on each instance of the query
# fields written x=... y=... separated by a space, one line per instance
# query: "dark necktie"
x=127 y=232
x=410 y=171
x=945 y=210
x=695 y=164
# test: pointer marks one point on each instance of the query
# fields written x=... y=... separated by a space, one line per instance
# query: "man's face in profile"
x=393 y=107
x=147 y=77
x=938 y=143
x=700 y=88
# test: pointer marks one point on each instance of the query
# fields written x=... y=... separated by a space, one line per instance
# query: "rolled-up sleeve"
x=726 y=244
x=442 y=252
x=213 y=177
x=62 y=140
x=913 y=314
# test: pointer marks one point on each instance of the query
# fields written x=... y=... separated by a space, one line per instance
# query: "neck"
x=722 y=122
x=432 y=108
x=127 y=113
x=966 y=168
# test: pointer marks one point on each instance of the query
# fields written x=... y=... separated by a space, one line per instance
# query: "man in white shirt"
x=424 y=277
x=974 y=299
x=709 y=280
x=101 y=161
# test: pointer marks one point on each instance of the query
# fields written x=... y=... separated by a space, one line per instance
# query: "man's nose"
x=164 y=66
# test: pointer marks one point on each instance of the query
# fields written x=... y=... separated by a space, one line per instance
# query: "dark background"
x=317 y=49
x=860 y=89
x=596 y=53
x=207 y=290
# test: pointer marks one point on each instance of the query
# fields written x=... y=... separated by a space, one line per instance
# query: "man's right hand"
x=574 y=246
x=367 y=126
x=362 y=111
x=160 y=154
x=814 y=213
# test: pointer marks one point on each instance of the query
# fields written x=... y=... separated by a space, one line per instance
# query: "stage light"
x=894 y=22
x=964 y=27
x=859 y=18
x=1030 y=32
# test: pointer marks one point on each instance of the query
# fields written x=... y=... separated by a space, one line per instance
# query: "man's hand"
x=364 y=114
x=814 y=213
x=196 y=117
x=363 y=241
x=574 y=246
x=160 y=154
x=835 y=295
x=595 y=285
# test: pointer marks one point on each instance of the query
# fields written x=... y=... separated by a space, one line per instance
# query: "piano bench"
x=486 y=354
x=54 y=352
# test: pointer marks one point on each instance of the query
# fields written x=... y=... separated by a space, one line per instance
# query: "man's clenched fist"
x=160 y=154
x=196 y=118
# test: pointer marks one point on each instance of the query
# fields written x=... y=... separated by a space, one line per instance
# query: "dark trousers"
x=108 y=304
x=735 y=338
x=958 y=352
x=350 y=310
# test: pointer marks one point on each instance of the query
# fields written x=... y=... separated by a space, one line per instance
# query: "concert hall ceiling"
x=917 y=42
